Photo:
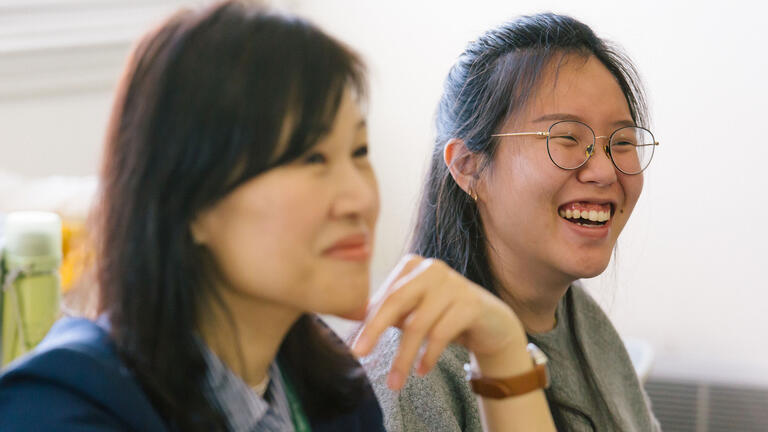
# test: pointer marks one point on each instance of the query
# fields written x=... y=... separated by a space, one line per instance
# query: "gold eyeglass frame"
x=591 y=147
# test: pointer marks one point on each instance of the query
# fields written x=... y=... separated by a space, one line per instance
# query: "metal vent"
x=683 y=406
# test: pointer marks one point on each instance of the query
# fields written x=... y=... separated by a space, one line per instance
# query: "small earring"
x=472 y=195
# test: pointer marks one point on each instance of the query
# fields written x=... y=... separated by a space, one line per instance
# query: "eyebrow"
x=564 y=116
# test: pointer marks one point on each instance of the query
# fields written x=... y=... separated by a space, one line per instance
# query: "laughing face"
x=544 y=221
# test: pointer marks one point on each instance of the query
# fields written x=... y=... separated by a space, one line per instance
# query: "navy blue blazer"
x=75 y=382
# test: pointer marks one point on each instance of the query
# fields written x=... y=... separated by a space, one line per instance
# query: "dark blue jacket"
x=75 y=382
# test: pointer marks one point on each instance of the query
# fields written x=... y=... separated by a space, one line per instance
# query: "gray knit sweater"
x=612 y=400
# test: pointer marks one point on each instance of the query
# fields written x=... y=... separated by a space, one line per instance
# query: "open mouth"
x=586 y=213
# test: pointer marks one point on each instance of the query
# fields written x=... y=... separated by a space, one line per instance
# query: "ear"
x=463 y=164
x=198 y=231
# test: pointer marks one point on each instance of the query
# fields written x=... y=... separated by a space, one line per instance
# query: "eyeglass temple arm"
x=521 y=134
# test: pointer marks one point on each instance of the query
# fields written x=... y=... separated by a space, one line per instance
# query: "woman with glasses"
x=541 y=144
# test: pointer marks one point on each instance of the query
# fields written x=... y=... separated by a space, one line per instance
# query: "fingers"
x=431 y=309
x=393 y=305
x=434 y=306
x=449 y=328
x=403 y=267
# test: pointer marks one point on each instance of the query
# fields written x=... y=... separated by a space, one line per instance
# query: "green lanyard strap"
x=300 y=422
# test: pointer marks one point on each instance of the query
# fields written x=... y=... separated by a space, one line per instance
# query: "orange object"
x=76 y=254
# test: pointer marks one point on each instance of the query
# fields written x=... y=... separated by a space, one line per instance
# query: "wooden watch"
x=499 y=388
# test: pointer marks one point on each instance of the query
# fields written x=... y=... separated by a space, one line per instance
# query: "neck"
x=533 y=295
x=246 y=333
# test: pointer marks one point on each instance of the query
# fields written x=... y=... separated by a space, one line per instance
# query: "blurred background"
x=687 y=279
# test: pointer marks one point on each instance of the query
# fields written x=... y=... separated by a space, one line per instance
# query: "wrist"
x=500 y=381
x=510 y=360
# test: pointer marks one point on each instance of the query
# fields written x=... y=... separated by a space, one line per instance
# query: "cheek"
x=373 y=216
x=518 y=196
x=245 y=255
x=263 y=248
x=527 y=186
x=633 y=187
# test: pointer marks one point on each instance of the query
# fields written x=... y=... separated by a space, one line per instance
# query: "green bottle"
x=30 y=296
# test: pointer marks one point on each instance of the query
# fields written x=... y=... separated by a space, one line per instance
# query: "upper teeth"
x=593 y=215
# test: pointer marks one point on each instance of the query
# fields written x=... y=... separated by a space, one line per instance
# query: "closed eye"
x=564 y=139
x=315 y=158
x=361 y=151
x=621 y=147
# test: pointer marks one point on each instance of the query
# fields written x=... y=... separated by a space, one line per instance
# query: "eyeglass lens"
x=631 y=148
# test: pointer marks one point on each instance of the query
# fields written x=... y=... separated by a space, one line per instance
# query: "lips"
x=354 y=247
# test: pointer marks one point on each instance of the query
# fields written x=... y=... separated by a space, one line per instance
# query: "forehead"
x=347 y=118
x=579 y=86
x=347 y=125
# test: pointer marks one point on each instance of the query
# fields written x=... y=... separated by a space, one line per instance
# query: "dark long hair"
x=205 y=102
x=492 y=81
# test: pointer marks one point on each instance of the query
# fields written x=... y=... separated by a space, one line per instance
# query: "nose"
x=358 y=194
x=598 y=170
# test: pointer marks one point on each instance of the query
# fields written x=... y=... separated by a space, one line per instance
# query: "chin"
x=352 y=311
x=591 y=274
x=589 y=268
x=349 y=302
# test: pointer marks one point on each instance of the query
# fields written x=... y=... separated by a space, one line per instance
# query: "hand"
x=434 y=305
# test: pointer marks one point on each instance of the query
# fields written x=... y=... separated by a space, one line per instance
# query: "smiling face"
x=300 y=235
x=529 y=206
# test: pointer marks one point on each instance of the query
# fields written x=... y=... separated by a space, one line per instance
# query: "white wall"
x=687 y=278
x=689 y=274
x=53 y=135
x=59 y=62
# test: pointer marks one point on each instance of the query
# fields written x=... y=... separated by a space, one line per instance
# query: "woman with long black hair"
x=538 y=162
x=236 y=202
x=235 y=188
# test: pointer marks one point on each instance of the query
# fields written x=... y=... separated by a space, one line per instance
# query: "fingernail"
x=395 y=380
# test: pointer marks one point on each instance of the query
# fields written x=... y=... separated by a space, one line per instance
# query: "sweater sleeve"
x=605 y=353
x=654 y=421
x=29 y=404
x=441 y=401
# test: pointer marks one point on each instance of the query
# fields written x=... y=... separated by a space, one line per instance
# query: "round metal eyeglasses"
x=571 y=143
